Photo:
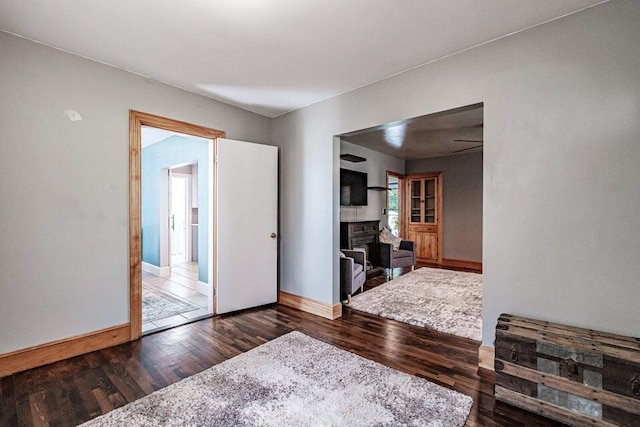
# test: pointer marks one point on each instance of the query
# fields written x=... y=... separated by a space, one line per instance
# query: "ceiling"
x=448 y=133
x=272 y=56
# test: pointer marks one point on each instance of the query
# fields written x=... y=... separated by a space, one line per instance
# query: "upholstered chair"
x=353 y=272
x=405 y=256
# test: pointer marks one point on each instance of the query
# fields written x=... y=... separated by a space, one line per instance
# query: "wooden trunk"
x=580 y=377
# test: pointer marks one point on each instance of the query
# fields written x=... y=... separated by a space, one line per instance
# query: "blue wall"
x=163 y=155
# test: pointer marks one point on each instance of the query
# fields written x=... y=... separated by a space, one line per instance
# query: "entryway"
x=423 y=178
x=176 y=280
x=181 y=209
x=395 y=218
x=203 y=223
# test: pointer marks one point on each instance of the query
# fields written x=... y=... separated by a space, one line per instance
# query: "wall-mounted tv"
x=353 y=188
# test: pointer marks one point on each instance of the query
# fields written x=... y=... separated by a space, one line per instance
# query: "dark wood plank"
x=550 y=410
x=620 y=376
x=521 y=351
x=75 y=390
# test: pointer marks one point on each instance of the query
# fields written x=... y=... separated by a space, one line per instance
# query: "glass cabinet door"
x=423 y=202
x=430 y=200
x=416 y=200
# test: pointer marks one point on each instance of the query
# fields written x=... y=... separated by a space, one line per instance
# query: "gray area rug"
x=296 y=380
x=157 y=304
x=444 y=300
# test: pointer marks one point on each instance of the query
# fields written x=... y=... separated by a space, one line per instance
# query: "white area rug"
x=444 y=300
x=296 y=380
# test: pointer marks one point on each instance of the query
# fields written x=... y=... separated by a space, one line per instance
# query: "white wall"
x=561 y=168
x=376 y=168
x=461 y=204
x=64 y=186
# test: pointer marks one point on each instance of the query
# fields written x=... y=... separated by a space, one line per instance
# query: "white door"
x=246 y=216
x=179 y=218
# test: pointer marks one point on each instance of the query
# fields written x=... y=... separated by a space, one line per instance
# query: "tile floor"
x=183 y=284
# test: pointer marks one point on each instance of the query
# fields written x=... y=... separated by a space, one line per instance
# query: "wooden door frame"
x=138 y=119
x=401 y=196
x=439 y=201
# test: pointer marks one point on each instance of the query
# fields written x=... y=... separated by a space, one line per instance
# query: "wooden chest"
x=577 y=376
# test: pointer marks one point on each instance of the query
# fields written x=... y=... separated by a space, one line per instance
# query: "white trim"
x=155 y=270
x=165 y=215
x=204 y=288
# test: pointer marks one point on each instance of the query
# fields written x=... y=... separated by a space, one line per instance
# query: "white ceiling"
x=272 y=56
x=448 y=133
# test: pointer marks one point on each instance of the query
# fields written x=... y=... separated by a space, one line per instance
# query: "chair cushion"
x=357 y=269
x=402 y=253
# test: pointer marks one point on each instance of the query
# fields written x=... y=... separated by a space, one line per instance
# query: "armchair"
x=353 y=272
x=405 y=256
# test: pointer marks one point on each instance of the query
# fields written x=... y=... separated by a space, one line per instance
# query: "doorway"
x=149 y=247
x=440 y=158
x=237 y=209
x=395 y=206
x=179 y=191
x=176 y=288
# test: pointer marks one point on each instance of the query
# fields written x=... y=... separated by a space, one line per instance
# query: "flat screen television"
x=353 y=188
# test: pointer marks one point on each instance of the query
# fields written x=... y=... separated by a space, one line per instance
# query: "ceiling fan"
x=470 y=148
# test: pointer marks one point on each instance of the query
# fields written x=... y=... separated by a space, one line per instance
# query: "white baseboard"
x=204 y=288
x=155 y=270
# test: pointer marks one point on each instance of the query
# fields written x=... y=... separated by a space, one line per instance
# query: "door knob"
x=273 y=235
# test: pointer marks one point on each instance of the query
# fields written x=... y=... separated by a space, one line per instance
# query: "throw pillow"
x=387 y=237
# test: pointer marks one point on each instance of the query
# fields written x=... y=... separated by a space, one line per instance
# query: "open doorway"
x=176 y=287
x=224 y=220
x=180 y=226
x=427 y=238
x=395 y=206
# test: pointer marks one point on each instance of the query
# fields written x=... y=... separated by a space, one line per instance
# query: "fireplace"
x=362 y=234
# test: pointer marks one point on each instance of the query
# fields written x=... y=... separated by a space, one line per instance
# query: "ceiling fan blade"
x=467 y=140
x=466 y=149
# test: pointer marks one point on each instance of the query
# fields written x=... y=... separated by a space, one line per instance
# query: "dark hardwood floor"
x=72 y=391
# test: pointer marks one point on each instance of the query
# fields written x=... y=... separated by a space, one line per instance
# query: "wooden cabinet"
x=424 y=215
x=426 y=244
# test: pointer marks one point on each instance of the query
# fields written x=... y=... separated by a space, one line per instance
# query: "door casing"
x=138 y=119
